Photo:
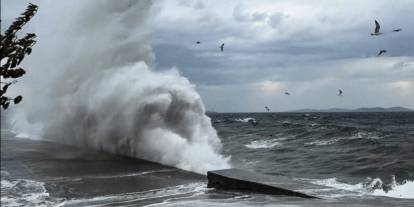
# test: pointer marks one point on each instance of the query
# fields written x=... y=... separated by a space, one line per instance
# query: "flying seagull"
x=397 y=30
x=340 y=92
x=267 y=108
x=6 y=86
x=381 y=52
x=198 y=42
x=377 y=29
x=222 y=47
x=287 y=93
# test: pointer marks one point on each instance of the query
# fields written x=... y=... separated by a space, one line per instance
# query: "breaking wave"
x=96 y=89
x=358 y=135
x=405 y=190
x=263 y=144
x=134 y=199
x=244 y=120
x=373 y=187
x=23 y=192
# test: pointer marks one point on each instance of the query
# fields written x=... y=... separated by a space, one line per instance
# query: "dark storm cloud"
x=303 y=46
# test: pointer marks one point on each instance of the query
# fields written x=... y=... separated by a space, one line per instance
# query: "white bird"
x=340 y=92
x=377 y=29
x=222 y=47
x=381 y=52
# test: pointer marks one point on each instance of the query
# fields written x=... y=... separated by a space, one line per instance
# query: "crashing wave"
x=97 y=89
x=24 y=192
x=374 y=187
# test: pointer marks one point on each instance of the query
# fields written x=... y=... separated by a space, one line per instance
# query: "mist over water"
x=90 y=84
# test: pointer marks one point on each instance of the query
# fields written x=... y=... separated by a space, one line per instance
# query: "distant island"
x=363 y=109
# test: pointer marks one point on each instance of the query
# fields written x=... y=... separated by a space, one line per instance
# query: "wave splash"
x=374 y=187
x=264 y=144
x=23 y=192
x=102 y=94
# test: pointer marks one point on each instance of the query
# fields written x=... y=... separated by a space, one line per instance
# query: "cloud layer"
x=310 y=48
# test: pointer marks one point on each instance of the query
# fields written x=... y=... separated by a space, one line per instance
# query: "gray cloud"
x=194 y=4
x=311 y=48
x=305 y=47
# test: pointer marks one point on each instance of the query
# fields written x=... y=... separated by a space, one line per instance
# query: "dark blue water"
x=372 y=149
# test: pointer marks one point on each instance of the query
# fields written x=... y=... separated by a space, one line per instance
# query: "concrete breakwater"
x=241 y=180
x=76 y=174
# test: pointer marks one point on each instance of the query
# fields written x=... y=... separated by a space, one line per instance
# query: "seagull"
x=397 y=30
x=17 y=99
x=340 y=92
x=222 y=47
x=287 y=93
x=267 y=108
x=198 y=42
x=6 y=86
x=381 y=52
x=377 y=29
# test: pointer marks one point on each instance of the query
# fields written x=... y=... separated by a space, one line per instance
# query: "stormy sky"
x=309 y=48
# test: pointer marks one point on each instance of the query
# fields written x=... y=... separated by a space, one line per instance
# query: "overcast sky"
x=309 y=48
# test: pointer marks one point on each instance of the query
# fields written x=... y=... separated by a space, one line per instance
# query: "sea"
x=363 y=159
x=365 y=153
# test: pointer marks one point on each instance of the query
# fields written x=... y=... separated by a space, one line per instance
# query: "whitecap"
x=373 y=187
x=190 y=189
x=263 y=144
x=365 y=135
x=358 y=135
x=24 y=192
x=245 y=120
x=322 y=142
x=405 y=190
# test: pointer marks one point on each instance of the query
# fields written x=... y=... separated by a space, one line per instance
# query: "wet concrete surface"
x=70 y=172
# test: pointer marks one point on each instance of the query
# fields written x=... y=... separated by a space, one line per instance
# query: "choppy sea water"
x=367 y=153
x=368 y=158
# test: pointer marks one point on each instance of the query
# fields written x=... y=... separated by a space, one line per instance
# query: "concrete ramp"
x=241 y=180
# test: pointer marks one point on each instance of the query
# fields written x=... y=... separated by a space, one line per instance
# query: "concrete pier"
x=241 y=180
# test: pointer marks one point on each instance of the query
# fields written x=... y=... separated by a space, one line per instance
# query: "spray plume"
x=90 y=85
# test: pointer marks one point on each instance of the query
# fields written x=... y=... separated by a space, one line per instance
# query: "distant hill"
x=363 y=109
x=380 y=109
x=323 y=110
